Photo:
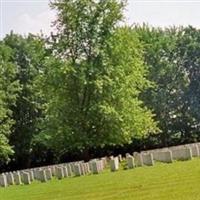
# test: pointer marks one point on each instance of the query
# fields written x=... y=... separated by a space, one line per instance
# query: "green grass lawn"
x=177 y=181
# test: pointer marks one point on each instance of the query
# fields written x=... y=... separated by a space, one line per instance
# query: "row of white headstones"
x=96 y=166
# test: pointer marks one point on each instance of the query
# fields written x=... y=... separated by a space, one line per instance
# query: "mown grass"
x=177 y=181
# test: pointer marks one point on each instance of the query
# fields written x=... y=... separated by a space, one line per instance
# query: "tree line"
x=96 y=87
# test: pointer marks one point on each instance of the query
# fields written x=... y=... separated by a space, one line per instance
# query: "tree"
x=188 y=51
x=95 y=80
x=9 y=88
x=164 y=71
x=28 y=55
x=172 y=58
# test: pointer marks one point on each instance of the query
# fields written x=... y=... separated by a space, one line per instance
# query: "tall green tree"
x=160 y=57
x=172 y=58
x=188 y=50
x=28 y=55
x=9 y=88
x=92 y=86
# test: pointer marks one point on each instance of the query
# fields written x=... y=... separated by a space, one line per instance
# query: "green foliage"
x=9 y=87
x=188 y=51
x=172 y=56
x=28 y=55
x=94 y=83
x=84 y=26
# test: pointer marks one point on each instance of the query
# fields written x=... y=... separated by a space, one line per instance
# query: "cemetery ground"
x=177 y=181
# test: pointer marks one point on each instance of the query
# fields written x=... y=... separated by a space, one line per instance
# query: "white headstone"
x=138 y=159
x=10 y=178
x=42 y=175
x=65 y=171
x=82 y=166
x=77 y=170
x=194 y=149
x=53 y=170
x=114 y=164
x=181 y=153
x=48 y=172
x=3 y=180
x=17 y=178
x=31 y=174
x=69 y=169
x=36 y=173
x=148 y=159
x=127 y=155
x=163 y=156
x=130 y=162
x=59 y=172
x=104 y=160
x=95 y=168
x=25 y=178
x=120 y=158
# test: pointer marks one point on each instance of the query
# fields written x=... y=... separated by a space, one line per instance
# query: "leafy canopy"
x=92 y=87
